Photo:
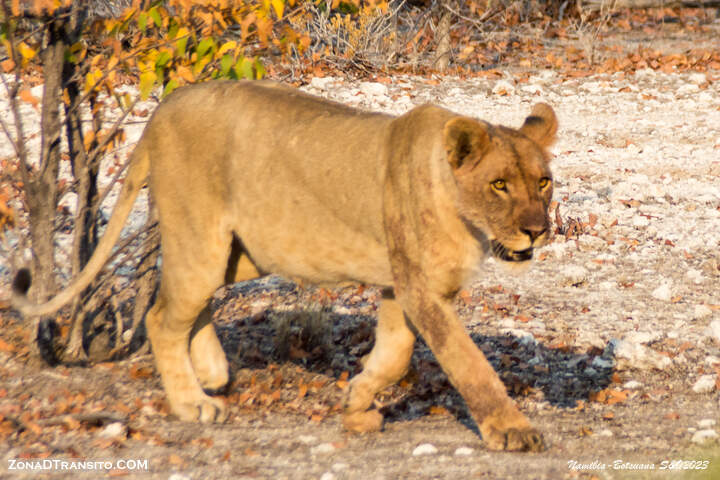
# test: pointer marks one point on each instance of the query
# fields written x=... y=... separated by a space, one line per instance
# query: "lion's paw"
x=363 y=422
x=517 y=440
x=205 y=409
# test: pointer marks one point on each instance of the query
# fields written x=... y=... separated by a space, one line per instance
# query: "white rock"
x=712 y=360
x=687 y=89
x=705 y=384
x=573 y=275
x=307 y=439
x=424 y=449
x=704 y=436
x=630 y=355
x=339 y=467
x=605 y=433
x=322 y=83
x=601 y=362
x=697 y=78
x=532 y=89
x=632 y=385
x=589 y=338
x=115 y=429
x=707 y=423
x=323 y=448
x=503 y=87
x=640 y=221
x=645 y=73
x=701 y=311
x=713 y=330
x=327 y=476
x=373 y=89
x=178 y=476
x=663 y=292
x=464 y=451
x=642 y=337
x=694 y=276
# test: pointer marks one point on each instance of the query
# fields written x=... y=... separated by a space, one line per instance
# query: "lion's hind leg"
x=169 y=325
x=387 y=363
x=187 y=351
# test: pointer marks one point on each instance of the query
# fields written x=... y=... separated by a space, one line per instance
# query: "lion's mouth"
x=503 y=253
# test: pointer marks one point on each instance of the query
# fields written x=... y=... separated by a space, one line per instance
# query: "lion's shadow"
x=330 y=343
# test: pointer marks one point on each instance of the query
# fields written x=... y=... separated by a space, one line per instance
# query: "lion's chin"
x=501 y=252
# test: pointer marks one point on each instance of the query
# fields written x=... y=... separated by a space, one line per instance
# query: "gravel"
x=631 y=288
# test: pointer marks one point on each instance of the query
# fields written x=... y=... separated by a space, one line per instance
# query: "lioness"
x=253 y=177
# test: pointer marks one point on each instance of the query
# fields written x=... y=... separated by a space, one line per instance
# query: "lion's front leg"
x=502 y=425
x=387 y=363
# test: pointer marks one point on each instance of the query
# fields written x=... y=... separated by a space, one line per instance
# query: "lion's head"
x=504 y=180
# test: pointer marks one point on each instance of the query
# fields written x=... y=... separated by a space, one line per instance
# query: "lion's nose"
x=534 y=232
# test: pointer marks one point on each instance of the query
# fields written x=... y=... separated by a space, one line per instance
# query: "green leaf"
x=259 y=69
x=147 y=82
x=142 y=21
x=173 y=30
x=162 y=60
x=155 y=15
x=244 y=68
x=204 y=46
x=226 y=63
x=169 y=87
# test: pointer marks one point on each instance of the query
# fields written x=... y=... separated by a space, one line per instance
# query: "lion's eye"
x=544 y=183
x=499 y=185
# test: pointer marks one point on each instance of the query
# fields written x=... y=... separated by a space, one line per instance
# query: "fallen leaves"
x=609 y=396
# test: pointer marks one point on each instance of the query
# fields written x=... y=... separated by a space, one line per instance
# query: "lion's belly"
x=322 y=252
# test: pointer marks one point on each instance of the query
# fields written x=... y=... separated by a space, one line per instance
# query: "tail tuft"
x=22 y=281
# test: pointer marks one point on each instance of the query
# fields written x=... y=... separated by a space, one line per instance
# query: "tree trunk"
x=442 y=41
x=42 y=188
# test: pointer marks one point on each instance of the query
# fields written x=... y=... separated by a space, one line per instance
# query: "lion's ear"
x=464 y=137
x=541 y=126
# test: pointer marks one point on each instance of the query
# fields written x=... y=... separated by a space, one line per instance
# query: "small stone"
x=705 y=384
x=327 y=476
x=629 y=355
x=697 y=78
x=307 y=439
x=632 y=385
x=601 y=362
x=323 y=448
x=178 y=476
x=424 y=449
x=687 y=89
x=503 y=87
x=115 y=429
x=605 y=433
x=694 y=276
x=339 y=467
x=641 y=337
x=701 y=312
x=573 y=275
x=706 y=423
x=532 y=89
x=640 y=221
x=712 y=360
x=373 y=89
x=662 y=292
x=321 y=83
x=713 y=330
x=464 y=451
x=704 y=436
x=590 y=338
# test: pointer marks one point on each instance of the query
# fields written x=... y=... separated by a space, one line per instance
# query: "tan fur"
x=252 y=178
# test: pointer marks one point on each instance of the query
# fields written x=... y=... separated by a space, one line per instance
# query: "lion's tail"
x=134 y=181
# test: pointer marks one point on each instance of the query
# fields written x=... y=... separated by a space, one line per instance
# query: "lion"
x=251 y=178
